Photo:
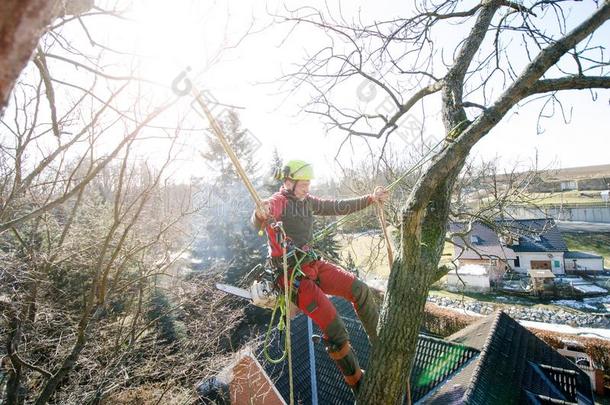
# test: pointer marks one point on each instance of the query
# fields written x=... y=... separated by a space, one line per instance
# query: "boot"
x=346 y=360
x=366 y=308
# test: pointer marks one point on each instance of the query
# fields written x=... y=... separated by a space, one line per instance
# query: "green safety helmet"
x=296 y=170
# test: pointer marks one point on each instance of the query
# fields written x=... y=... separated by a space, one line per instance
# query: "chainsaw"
x=262 y=293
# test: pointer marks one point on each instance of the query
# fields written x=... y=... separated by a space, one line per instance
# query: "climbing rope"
x=281 y=324
x=382 y=223
x=287 y=291
x=283 y=304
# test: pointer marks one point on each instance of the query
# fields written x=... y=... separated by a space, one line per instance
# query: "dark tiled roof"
x=474 y=335
x=514 y=367
x=550 y=239
x=278 y=373
x=511 y=364
x=580 y=255
x=535 y=235
x=435 y=361
x=486 y=236
x=487 y=242
x=451 y=392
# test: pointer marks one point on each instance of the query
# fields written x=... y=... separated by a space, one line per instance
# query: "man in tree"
x=315 y=277
x=504 y=54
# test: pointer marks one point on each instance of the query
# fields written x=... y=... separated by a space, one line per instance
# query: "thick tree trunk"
x=22 y=23
x=423 y=236
x=426 y=213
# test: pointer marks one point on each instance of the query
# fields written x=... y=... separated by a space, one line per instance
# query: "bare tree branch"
x=570 y=83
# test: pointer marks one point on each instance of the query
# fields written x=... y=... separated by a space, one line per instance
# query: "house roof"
x=581 y=255
x=435 y=361
x=514 y=367
x=487 y=243
x=494 y=360
x=534 y=235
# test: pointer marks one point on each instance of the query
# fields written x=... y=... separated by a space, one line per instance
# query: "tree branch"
x=404 y=108
x=570 y=83
x=41 y=63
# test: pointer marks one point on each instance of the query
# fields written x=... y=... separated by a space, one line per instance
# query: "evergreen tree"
x=160 y=312
x=227 y=234
x=270 y=183
x=243 y=143
x=327 y=246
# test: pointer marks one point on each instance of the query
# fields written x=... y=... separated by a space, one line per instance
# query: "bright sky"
x=172 y=36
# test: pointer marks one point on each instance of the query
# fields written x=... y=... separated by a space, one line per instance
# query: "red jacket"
x=297 y=215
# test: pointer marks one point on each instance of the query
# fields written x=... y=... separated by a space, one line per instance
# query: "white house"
x=582 y=261
x=551 y=260
x=471 y=277
x=520 y=245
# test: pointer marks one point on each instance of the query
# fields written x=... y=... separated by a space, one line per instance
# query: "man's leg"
x=336 y=281
x=315 y=304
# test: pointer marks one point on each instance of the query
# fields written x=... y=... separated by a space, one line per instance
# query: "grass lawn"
x=447 y=254
x=369 y=252
x=594 y=242
x=567 y=197
x=371 y=255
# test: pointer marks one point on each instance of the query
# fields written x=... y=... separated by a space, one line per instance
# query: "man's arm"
x=272 y=209
x=347 y=206
x=339 y=207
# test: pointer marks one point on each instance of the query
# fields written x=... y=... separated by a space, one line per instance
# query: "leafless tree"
x=479 y=78
x=88 y=229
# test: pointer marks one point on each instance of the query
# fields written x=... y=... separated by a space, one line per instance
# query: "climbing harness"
x=283 y=303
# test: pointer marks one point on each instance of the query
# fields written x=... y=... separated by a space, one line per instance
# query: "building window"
x=569 y=185
x=517 y=264
x=556 y=264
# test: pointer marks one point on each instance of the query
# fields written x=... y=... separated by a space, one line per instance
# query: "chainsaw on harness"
x=263 y=292
x=265 y=289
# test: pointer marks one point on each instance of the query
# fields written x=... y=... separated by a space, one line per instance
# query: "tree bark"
x=22 y=23
x=415 y=269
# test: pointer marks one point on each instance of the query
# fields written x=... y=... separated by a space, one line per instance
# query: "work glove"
x=380 y=195
x=265 y=213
